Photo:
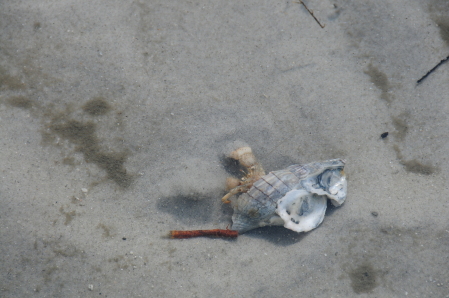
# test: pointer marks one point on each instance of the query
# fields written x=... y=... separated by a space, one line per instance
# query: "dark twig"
x=311 y=13
x=432 y=70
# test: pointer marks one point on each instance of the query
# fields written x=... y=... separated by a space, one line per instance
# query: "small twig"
x=203 y=233
x=311 y=13
x=432 y=70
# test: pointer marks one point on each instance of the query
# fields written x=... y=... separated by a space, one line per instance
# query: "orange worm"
x=200 y=233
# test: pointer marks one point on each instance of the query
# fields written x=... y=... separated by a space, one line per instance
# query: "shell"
x=295 y=197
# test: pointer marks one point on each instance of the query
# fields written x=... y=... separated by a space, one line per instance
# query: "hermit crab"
x=295 y=197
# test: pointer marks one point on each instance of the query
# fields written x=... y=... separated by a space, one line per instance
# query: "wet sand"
x=115 y=116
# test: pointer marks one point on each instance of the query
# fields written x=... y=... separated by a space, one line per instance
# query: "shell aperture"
x=301 y=211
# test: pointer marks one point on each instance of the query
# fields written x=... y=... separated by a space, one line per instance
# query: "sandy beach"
x=115 y=117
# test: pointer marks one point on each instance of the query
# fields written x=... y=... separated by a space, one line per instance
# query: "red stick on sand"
x=203 y=233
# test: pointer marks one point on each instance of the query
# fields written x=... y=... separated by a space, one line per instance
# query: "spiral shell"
x=295 y=197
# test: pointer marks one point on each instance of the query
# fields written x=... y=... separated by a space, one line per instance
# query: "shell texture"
x=295 y=197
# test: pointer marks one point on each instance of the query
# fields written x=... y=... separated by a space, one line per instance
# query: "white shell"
x=301 y=211
x=295 y=197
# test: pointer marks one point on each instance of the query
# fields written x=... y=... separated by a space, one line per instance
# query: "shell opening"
x=301 y=211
